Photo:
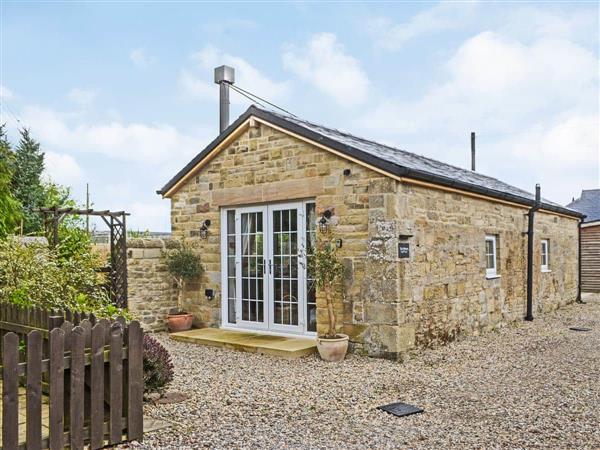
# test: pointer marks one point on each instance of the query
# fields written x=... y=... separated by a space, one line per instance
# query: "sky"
x=121 y=94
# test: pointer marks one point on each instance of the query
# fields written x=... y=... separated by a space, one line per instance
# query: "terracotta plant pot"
x=179 y=322
x=333 y=349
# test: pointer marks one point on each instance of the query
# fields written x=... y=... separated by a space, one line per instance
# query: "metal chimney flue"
x=473 y=151
x=224 y=76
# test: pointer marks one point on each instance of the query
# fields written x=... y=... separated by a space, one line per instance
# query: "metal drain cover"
x=400 y=409
x=580 y=329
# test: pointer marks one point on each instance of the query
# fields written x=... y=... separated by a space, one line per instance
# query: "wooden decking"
x=285 y=347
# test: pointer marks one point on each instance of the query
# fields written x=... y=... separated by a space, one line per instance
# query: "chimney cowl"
x=224 y=74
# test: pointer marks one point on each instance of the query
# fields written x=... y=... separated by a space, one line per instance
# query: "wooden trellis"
x=115 y=220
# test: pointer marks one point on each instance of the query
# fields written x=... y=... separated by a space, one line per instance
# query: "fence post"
x=97 y=387
x=135 y=380
x=56 y=423
x=116 y=383
x=34 y=390
x=77 y=388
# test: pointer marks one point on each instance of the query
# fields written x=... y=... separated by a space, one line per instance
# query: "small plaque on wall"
x=403 y=250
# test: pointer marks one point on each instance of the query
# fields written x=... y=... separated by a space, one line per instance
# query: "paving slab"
x=253 y=342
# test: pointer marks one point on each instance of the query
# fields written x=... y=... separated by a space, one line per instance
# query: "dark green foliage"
x=158 y=367
x=183 y=265
x=36 y=275
x=10 y=208
x=27 y=184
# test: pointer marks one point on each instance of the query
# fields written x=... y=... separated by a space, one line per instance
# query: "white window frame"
x=493 y=271
x=545 y=245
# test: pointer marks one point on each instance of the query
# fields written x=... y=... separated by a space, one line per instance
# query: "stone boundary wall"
x=151 y=291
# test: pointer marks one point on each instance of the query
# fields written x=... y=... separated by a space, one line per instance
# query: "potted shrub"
x=183 y=265
x=328 y=272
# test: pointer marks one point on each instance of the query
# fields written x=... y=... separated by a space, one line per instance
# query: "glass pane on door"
x=285 y=267
x=252 y=260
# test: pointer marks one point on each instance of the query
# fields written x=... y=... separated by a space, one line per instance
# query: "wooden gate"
x=69 y=385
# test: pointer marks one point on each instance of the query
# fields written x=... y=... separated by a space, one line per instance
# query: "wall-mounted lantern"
x=204 y=229
x=209 y=294
x=324 y=221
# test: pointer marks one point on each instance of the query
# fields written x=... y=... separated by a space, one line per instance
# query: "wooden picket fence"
x=88 y=376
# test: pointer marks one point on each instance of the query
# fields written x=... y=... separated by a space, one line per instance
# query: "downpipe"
x=578 y=300
x=530 y=226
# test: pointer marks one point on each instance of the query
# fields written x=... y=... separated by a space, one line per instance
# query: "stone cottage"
x=430 y=250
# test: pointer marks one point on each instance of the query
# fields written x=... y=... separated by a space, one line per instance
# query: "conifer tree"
x=27 y=184
x=10 y=208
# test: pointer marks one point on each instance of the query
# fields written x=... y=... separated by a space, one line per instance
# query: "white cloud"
x=154 y=215
x=140 y=58
x=5 y=93
x=199 y=82
x=533 y=105
x=139 y=142
x=496 y=84
x=82 y=97
x=323 y=62
x=62 y=168
x=441 y=17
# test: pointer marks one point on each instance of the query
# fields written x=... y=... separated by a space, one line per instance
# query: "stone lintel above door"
x=269 y=192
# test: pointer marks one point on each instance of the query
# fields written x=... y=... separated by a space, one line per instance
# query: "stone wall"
x=444 y=288
x=390 y=305
x=151 y=291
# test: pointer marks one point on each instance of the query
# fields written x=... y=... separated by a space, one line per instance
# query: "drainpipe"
x=579 y=262
x=530 y=217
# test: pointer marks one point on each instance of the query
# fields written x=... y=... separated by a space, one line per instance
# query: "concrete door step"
x=253 y=342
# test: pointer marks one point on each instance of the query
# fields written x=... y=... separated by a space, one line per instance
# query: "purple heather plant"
x=158 y=367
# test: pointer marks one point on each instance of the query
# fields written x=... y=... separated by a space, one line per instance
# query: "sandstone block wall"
x=444 y=288
x=151 y=291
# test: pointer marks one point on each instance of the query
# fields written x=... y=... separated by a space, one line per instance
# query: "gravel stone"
x=529 y=385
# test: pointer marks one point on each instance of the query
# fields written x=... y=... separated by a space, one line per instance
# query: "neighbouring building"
x=589 y=204
x=431 y=250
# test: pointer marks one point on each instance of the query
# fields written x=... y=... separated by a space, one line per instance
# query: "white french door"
x=264 y=272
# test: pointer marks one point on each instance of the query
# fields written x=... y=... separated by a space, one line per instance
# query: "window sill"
x=492 y=277
x=546 y=271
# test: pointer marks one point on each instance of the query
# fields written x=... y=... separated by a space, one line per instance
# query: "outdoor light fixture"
x=204 y=229
x=324 y=221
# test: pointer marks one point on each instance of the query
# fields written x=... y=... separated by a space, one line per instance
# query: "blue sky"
x=120 y=94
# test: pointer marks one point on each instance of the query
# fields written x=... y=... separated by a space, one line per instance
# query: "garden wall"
x=152 y=292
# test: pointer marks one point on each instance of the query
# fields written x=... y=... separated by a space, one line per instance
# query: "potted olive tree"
x=328 y=271
x=183 y=265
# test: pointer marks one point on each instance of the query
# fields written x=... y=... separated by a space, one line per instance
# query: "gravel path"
x=531 y=385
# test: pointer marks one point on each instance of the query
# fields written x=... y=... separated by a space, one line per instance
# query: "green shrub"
x=36 y=275
x=183 y=265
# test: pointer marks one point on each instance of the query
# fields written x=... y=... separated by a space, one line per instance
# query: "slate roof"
x=588 y=204
x=389 y=159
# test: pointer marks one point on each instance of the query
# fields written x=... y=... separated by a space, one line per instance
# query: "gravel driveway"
x=531 y=385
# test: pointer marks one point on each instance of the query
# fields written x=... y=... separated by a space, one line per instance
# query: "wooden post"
x=116 y=384
x=34 y=390
x=10 y=391
x=97 y=386
x=135 y=379
x=56 y=422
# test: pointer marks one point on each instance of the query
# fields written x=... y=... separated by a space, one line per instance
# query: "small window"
x=491 y=256
x=545 y=255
